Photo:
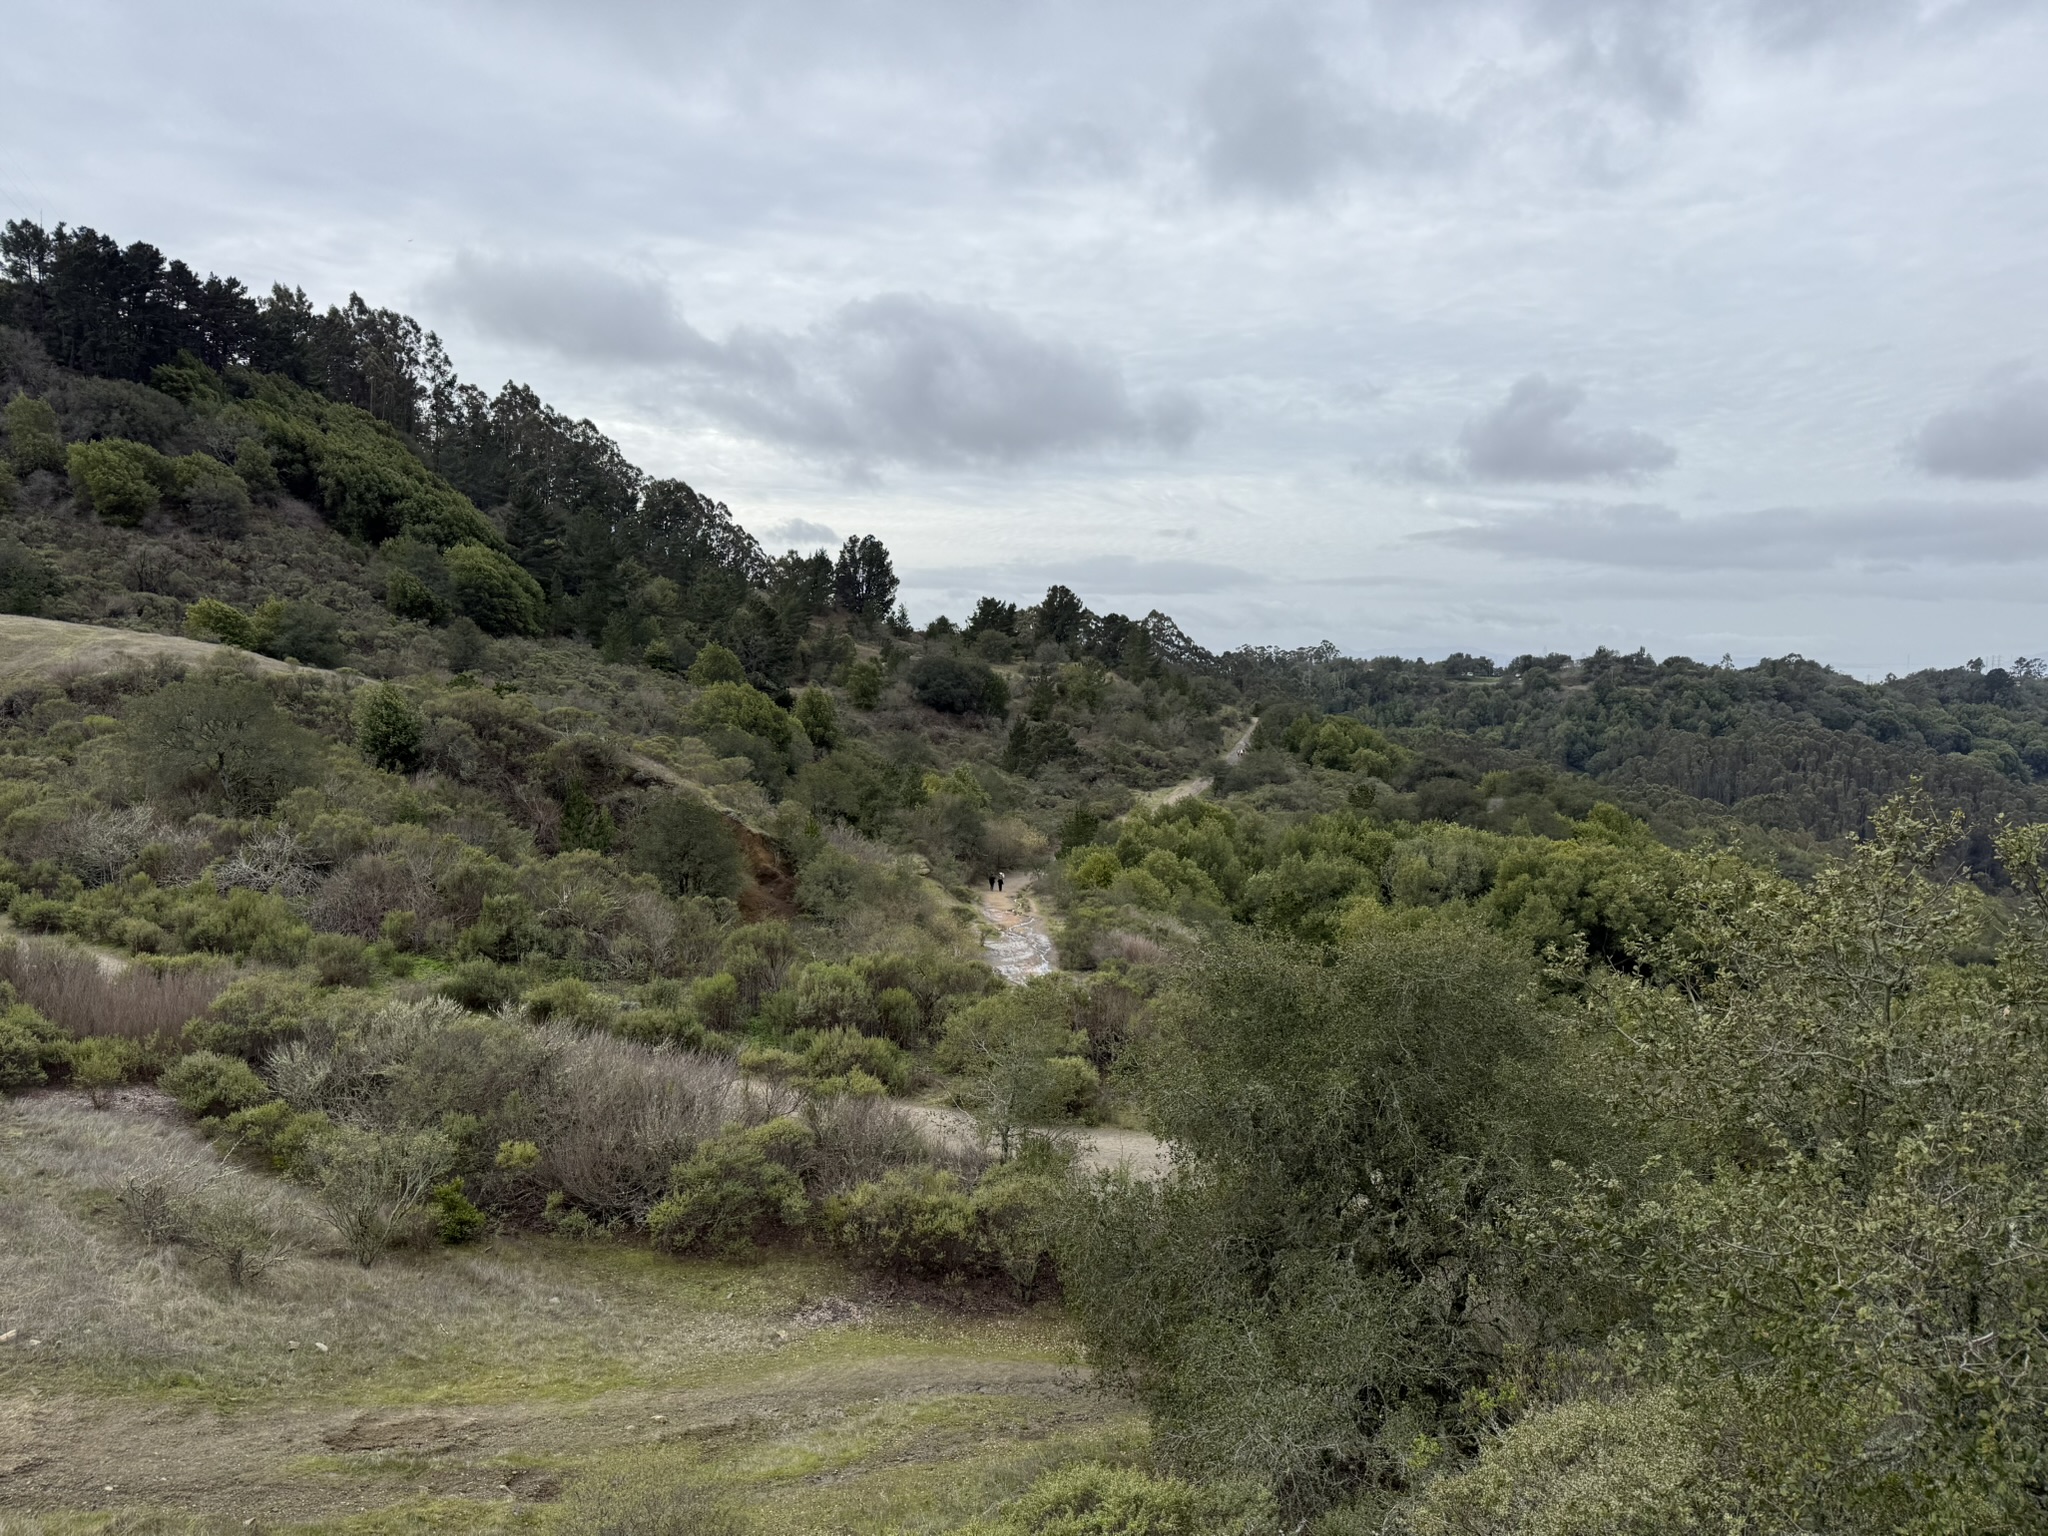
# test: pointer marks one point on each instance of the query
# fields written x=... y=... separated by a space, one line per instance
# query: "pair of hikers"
x=995 y=881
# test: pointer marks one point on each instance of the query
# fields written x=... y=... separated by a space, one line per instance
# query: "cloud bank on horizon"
x=1493 y=325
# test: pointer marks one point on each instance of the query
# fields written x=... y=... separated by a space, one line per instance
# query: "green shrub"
x=406 y=595
x=254 y=925
x=26 y=578
x=456 y=1220
x=687 y=845
x=389 y=727
x=1016 y=1207
x=954 y=685
x=212 y=619
x=739 y=1188
x=1097 y=1500
x=220 y=738
x=737 y=707
x=257 y=470
x=340 y=960
x=496 y=593
x=281 y=1133
x=572 y=1002
x=121 y=481
x=716 y=1002
x=864 y=681
x=911 y=1222
x=254 y=1016
x=101 y=1062
x=716 y=664
x=835 y=1053
x=34 y=440
x=30 y=1045
x=213 y=1086
x=209 y=495
x=1636 y=1467
x=832 y=997
x=481 y=985
x=302 y=632
x=819 y=717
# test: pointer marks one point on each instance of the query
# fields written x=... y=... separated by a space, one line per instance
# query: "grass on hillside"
x=520 y=1384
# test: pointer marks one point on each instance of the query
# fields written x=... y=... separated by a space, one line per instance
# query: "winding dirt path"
x=1020 y=948
x=1189 y=788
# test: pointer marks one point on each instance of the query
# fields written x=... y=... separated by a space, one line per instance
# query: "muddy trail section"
x=1021 y=946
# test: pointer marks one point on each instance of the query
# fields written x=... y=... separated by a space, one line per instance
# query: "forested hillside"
x=1577 y=1095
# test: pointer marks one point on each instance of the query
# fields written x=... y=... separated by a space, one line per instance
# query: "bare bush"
x=355 y=898
x=858 y=1139
x=276 y=862
x=371 y=1183
x=216 y=1213
x=625 y=1114
x=94 y=996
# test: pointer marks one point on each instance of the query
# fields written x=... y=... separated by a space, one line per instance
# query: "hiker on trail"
x=999 y=879
x=991 y=882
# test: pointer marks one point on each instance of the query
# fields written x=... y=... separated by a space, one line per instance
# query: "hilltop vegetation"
x=1600 y=1095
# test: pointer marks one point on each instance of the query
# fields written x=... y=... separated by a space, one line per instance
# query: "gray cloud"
x=912 y=378
x=2002 y=434
x=798 y=533
x=1105 y=576
x=575 y=308
x=1272 y=119
x=1787 y=539
x=1530 y=436
x=898 y=377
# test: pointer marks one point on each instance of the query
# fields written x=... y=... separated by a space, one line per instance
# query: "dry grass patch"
x=94 y=995
x=530 y=1384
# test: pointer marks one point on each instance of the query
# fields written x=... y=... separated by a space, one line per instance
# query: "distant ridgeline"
x=174 y=405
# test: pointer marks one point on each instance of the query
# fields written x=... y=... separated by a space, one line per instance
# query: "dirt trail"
x=1189 y=788
x=1021 y=946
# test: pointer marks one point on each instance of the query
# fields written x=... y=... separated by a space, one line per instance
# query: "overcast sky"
x=1423 y=325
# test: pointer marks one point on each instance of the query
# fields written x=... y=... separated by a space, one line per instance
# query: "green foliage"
x=102 y=1062
x=1018 y=1053
x=914 y=1222
x=497 y=594
x=585 y=823
x=1091 y=1499
x=739 y=1188
x=30 y=1045
x=253 y=1016
x=819 y=717
x=211 y=619
x=213 y=1086
x=1634 y=1467
x=218 y=738
x=954 y=685
x=122 y=481
x=360 y=473
x=1838 y=1143
x=278 y=1132
x=1341 y=1124
x=27 y=580
x=34 y=441
x=456 y=1219
x=686 y=845
x=716 y=664
x=737 y=707
x=389 y=727
x=864 y=680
